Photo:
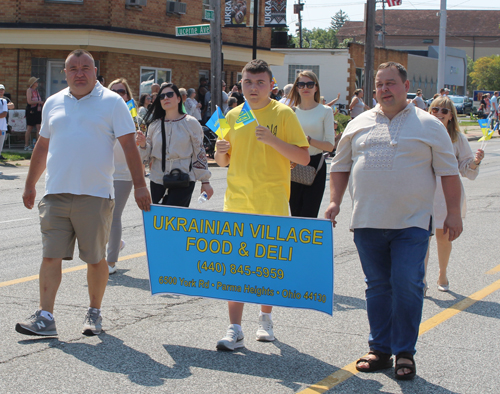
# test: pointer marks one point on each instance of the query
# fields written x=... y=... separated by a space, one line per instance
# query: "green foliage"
x=316 y=38
x=486 y=73
x=470 y=68
x=345 y=43
x=11 y=156
x=342 y=121
x=338 y=20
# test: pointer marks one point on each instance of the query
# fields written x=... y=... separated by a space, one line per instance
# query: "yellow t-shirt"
x=258 y=179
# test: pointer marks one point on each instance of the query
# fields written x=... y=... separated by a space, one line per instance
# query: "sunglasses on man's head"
x=444 y=111
x=163 y=96
x=302 y=85
x=121 y=92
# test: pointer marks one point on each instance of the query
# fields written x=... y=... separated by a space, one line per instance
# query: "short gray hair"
x=287 y=89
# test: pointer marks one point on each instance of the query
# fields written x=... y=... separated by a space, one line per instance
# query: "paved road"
x=167 y=343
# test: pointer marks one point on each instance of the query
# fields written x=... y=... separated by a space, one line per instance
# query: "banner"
x=275 y=13
x=235 y=13
x=270 y=260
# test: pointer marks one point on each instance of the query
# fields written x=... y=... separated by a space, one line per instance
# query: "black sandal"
x=383 y=361
x=412 y=367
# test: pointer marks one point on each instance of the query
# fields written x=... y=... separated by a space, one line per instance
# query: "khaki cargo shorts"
x=66 y=217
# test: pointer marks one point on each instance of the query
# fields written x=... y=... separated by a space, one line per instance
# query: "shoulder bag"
x=306 y=174
x=175 y=179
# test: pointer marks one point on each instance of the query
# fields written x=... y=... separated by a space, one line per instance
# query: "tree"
x=338 y=20
x=317 y=38
x=470 y=68
x=486 y=73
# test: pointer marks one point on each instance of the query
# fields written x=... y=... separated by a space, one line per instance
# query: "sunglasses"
x=121 y=92
x=163 y=96
x=302 y=85
x=444 y=111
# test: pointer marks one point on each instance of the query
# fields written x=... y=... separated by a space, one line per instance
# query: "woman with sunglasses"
x=183 y=149
x=122 y=182
x=468 y=165
x=317 y=121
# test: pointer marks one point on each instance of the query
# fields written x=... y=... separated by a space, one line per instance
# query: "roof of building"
x=421 y=23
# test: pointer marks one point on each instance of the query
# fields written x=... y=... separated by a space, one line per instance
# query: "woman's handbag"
x=175 y=179
x=306 y=174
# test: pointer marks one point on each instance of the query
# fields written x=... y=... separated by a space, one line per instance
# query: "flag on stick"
x=246 y=116
x=487 y=132
x=131 y=108
x=218 y=123
x=391 y=3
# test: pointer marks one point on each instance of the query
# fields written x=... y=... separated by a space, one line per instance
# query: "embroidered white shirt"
x=393 y=166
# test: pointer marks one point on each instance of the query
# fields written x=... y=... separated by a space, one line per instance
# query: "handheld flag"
x=246 y=116
x=275 y=83
x=487 y=132
x=131 y=108
x=218 y=123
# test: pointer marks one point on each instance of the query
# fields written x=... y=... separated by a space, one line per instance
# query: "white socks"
x=266 y=314
x=47 y=315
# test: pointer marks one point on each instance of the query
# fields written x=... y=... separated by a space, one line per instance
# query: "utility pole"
x=297 y=9
x=383 y=24
x=216 y=56
x=369 y=51
x=255 y=27
x=442 y=45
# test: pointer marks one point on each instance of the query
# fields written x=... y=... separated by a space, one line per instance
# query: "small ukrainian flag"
x=218 y=123
x=131 y=108
x=246 y=116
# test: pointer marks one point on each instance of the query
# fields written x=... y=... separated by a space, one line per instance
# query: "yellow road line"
x=494 y=270
x=64 y=271
x=350 y=370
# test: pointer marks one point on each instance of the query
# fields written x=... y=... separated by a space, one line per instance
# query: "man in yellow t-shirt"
x=258 y=179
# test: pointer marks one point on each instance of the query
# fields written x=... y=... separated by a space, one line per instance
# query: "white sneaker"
x=265 y=332
x=234 y=339
x=112 y=270
x=122 y=245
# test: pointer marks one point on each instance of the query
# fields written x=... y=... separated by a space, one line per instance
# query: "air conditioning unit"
x=137 y=3
x=174 y=7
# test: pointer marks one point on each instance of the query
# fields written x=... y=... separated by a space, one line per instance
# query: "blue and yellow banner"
x=246 y=116
x=218 y=123
x=131 y=108
x=270 y=260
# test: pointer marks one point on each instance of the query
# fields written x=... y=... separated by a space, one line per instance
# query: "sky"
x=318 y=13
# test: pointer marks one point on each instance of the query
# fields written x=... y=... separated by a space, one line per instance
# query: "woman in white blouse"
x=468 y=165
x=183 y=149
x=317 y=121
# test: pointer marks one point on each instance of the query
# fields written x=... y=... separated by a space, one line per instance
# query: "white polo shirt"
x=3 y=108
x=82 y=135
x=393 y=166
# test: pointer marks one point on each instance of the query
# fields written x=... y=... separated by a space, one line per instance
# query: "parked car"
x=463 y=104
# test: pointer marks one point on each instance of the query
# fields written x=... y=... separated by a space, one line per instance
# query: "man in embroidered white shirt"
x=389 y=157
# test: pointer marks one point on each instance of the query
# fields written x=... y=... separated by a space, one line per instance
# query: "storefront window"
x=151 y=75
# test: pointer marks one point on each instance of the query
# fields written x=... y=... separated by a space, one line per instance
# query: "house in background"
x=475 y=32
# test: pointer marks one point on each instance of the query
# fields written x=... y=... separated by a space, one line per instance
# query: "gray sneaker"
x=93 y=323
x=37 y=325
x=265 y=332
x=234 y=339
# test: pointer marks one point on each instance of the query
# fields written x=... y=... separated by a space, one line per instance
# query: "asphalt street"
x=166 y=343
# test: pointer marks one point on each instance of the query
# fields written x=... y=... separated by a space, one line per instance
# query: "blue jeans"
x=393 y=263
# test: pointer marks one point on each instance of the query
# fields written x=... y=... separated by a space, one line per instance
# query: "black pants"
x=175 y=197
x=305 y=201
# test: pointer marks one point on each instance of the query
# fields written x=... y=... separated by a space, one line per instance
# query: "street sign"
x=209 y=15
x=195 y=30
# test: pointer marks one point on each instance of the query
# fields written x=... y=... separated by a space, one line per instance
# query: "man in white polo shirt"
x=80 y=126
x=390 y=156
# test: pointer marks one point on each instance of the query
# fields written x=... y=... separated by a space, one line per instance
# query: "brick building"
x=475 y=32
x=135 y=42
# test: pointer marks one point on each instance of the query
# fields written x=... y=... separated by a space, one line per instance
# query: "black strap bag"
x=175 y=179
